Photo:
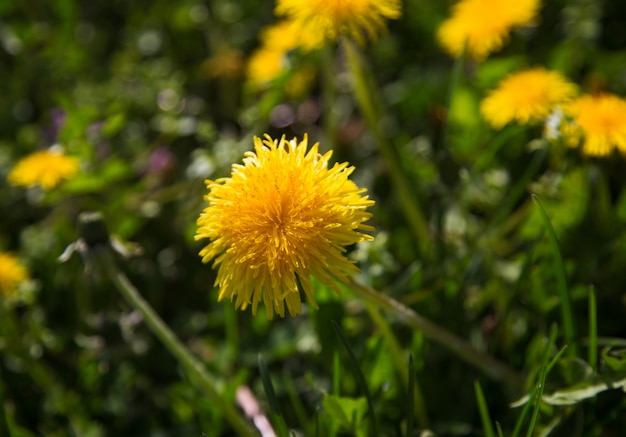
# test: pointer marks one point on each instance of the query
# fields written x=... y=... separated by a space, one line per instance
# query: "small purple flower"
x=161 y=161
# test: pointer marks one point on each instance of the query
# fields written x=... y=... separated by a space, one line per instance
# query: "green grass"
x=485 y=239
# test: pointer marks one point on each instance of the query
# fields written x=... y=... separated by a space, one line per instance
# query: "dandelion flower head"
x=281 y=219
x=322 y=21
x=602 y=120
x=46 y=168
x=12 y=273
x=283 y=36
x=265 y=65
x=270 y=60
x=526 y=97
x=484 y=25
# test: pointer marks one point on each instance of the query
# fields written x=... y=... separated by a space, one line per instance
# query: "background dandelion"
x=602 y=120
x=322 y=21
x=526 y=96
x=45 y=168
x=12 y=274
x=484 y=25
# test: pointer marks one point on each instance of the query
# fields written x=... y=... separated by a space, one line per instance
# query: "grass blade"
x=397 y=356
x=484 y=411
x=360 y=378
x=499 y=428
x=298 y=406
x=593 y=330
x=336 y=374
x=533 y=395
x=566 y=307
x=538 y=392
x=409 y=421
x=270 y=394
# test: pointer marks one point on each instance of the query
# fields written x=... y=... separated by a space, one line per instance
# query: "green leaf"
x=574 y=395
x=575 y=381
x=348 y=413
x=112 y=171
x=565 y=199
x=113 y=124
x=615 y=359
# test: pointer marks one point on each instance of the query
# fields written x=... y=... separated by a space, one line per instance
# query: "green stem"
x=180 y=352
x=482 y=361
x=366 y=97
x=400 y=362
x=329 y=95
x=455 y=75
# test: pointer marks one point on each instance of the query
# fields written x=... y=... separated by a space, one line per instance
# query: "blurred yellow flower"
x=46 y=168
x=12 y=273
x=283 y=36
x=525 y=97
x=484 y=24
x=265 y=65
x=602 y=120
x=282 y=218
x=270 y=60
x=321 y=21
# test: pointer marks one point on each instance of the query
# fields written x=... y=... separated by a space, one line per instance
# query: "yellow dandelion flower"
x=484 y=25
x=282 y=218
x=265 y=65
x=270 y=60
x=602 y=120
x=46 y=168
x=526 y=97
x=321 y=21
x=282 y=36
x=12 y=273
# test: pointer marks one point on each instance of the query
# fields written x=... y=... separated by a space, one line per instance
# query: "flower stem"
x=486 y=363
x=367 y=99
x=329 y=96
x=455 y=76
x=180 y=352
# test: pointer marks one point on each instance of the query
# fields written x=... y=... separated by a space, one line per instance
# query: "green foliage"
x=347 y=413
x=152 y=98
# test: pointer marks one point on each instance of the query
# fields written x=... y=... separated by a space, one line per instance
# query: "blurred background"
x=155 y=96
